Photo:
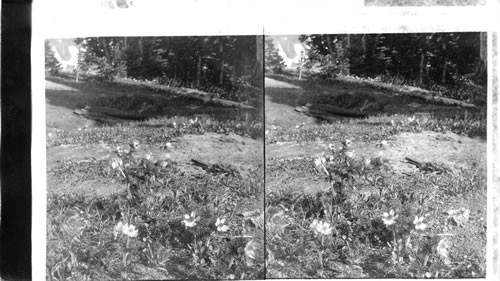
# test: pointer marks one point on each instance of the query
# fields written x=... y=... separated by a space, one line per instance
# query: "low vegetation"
x=374 y=223
x=164 y=224
x=359 y=217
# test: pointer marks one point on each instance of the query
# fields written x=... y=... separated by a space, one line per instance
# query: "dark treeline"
x=422 y=59
x=222 y=62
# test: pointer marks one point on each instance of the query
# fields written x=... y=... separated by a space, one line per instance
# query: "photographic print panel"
x=376 y=155
x=154 y=157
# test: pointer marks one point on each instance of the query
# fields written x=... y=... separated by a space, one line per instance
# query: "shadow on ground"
x=291 y=92
x=71 y=95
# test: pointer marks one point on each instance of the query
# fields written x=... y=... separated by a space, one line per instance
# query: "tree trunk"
x=141 y=48
x=483 y=58
x=422 y=66
x=221 y=73
x=105 y=47
x=259 y=65
x=363 y=43
x=443 y=74
x=331 y=49
x=198 y=72
x=348 y=40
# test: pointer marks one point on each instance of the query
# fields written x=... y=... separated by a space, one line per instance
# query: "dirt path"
x=280 y=100
x=457 y=152
x=243 y=153
x=61 y=115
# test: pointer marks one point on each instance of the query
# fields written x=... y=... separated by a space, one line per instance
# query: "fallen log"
x=117 y=113
x=410 y=91
x=192 y=93
x=428 y=167
x=82 y=112
x=337 y=110
x=107 y=115
x=216 y=168
x=327 y=112
x=431 y=96
x=209 y=98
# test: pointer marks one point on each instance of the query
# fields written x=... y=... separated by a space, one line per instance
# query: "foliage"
x=176 y=226
x=369 y=222
x=327 y=60
x=52 y=64
x=424 y=59
x=273 y=60
x=209 y=62
x=100 y=58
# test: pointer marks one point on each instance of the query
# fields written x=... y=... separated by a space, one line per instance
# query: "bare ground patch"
x=240 y=152
x=451 y=150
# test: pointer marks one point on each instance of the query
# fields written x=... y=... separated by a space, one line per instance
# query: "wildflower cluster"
x=221 y=226
x=321 y=227
x=125 y=229
x=190 y=220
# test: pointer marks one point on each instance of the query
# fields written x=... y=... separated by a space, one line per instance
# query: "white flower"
x=349 y=154
x=116 y=163
x=383 y=143
x=320 y=160
x=389 y=218
x=418 y=222
x=347 y=143
x=393 y=123
x=314 y=224
x=251 y=248
x=162 y=163
x=220 y=224
x=118 y=229
x=135 y=145
x=320 y=163
x=366 y=162
x=442 y=250
x=331 y=146
x=190 y=220
x=119 y=150
x=147 y=156
x=126 y=229
x=130 y=230
x=411 y=119
x=324 y=228
x=321 y=227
